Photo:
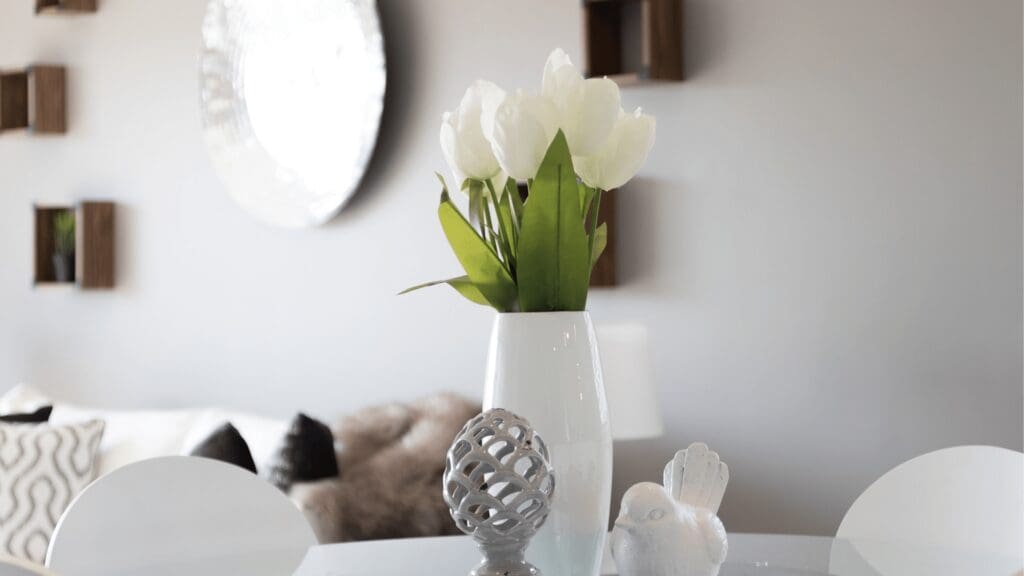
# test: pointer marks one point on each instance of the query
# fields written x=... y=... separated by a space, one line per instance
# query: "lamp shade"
x=628 y=381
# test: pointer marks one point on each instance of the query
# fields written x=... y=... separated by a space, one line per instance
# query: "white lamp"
x=628 y=382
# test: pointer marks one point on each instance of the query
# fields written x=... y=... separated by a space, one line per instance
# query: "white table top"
x=749 y=554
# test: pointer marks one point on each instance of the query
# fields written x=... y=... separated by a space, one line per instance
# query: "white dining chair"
x=967 y=500
x=180 y=515
x=11 y=566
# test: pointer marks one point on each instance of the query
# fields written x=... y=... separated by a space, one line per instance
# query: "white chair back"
x=180 y=515
x=968 y=499
x=11 y=566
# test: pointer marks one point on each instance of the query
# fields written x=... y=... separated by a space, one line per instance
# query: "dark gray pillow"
x=306 y=455
x=227 y=445
x=40 y=416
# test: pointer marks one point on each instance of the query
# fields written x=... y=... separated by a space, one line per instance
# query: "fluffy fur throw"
x=391 y=459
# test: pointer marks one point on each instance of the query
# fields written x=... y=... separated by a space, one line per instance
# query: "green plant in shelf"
x=570 y=143
x=64 y=232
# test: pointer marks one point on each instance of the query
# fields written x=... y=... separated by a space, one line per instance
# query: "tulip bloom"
x=463 y=143
x=587 y=109
x=622 y=154
x=524 y=126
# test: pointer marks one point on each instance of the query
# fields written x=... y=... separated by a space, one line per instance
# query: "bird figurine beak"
x=625 y=523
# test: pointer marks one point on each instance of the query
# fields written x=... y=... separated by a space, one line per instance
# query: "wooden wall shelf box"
x=34 y=99
x=62 y=6
x=94 y=245
x=634 y=41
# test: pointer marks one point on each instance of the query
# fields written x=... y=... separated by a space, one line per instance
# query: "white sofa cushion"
x=131 y=435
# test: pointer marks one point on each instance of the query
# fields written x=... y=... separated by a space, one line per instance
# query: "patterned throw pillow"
x=42 y=468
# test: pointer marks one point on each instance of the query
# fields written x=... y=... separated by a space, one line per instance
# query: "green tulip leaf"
x=482 y=265
x=553 y=268
x=600 y=242
x=462 y=284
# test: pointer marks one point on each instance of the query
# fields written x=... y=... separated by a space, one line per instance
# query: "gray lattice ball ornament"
x=498 y=483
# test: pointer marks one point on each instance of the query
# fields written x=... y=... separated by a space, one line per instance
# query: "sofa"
x=133 y=435
x=390 y=458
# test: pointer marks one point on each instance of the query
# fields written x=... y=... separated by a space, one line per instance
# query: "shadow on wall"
x=636 y=232
x=706 y=38
x=649 y=211
x=398 y=24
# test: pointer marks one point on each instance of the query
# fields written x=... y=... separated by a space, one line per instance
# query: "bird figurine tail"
x=697 y=476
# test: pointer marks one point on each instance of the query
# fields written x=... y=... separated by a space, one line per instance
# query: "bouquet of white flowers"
x=569 y=143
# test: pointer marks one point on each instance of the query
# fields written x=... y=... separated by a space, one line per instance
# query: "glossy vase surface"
x=544 y=366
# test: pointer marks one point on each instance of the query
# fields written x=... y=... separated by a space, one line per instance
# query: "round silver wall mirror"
x=292 y=94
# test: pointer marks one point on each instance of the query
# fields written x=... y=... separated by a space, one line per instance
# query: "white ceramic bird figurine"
x=673 y=530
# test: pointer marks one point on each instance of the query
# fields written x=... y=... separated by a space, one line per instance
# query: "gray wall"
x=825 y=242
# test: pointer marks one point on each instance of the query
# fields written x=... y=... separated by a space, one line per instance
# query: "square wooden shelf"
x=13 y=100
x=634 y=41
x=65 y=6
x=34 y=99
x=46 y=245
x=94 y=245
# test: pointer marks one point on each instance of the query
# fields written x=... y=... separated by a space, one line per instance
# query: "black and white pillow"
x=42 y=468
x=40 y=415
x=306 y=455
x=227 y=445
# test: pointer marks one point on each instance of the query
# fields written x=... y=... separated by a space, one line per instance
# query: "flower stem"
x=595 y=207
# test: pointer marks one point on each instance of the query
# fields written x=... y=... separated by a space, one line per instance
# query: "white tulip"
x=465 y=147
x=587 y=109
x=560 y=76
x=524 y=126
x=622 y=154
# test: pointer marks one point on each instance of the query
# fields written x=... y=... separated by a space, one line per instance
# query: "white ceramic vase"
x=544 y=366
